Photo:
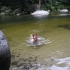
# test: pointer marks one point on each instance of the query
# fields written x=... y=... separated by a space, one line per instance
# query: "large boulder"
x=5 y=57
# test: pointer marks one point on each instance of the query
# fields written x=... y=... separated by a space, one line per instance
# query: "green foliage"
x=68 y=7
x=3 y=8
x=28 y=6
x=43 y=7
x=52 y=8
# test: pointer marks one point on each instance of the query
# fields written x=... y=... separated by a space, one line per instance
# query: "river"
x=55 y=55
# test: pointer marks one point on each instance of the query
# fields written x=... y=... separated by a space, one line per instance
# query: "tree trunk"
x=39 y=4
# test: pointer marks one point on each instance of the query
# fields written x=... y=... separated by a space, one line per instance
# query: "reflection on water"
x=64 y=14
x=52 y=56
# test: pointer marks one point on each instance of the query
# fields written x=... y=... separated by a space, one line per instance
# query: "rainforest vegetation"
x=28 y=6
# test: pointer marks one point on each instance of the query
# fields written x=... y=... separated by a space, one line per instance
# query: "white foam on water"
x=40 y=41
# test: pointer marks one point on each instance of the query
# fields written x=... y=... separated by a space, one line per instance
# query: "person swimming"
x=36 y=41
x=35 y=38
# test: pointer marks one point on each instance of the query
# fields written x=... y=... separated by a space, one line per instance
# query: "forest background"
x=29 y=6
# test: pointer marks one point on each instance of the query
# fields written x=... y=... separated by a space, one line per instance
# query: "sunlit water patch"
x=62 y=64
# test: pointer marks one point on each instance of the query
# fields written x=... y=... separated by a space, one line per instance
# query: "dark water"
x=51 y=56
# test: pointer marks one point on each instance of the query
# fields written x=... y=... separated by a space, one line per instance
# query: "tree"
x=29 y=6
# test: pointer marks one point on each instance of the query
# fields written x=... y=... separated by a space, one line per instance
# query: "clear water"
x=51 y=56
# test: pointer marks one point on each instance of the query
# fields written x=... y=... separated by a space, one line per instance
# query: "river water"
x=55 y=28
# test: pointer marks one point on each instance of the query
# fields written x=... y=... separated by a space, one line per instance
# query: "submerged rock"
x=4 y=53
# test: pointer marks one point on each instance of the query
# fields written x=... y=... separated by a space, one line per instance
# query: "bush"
x=4 y=8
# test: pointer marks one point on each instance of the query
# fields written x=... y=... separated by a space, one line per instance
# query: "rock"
x=63 y=10
x=40 y=13
x=5 y=57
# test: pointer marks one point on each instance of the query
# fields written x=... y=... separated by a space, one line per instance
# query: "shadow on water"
x=66 y=26
x=15 y=19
